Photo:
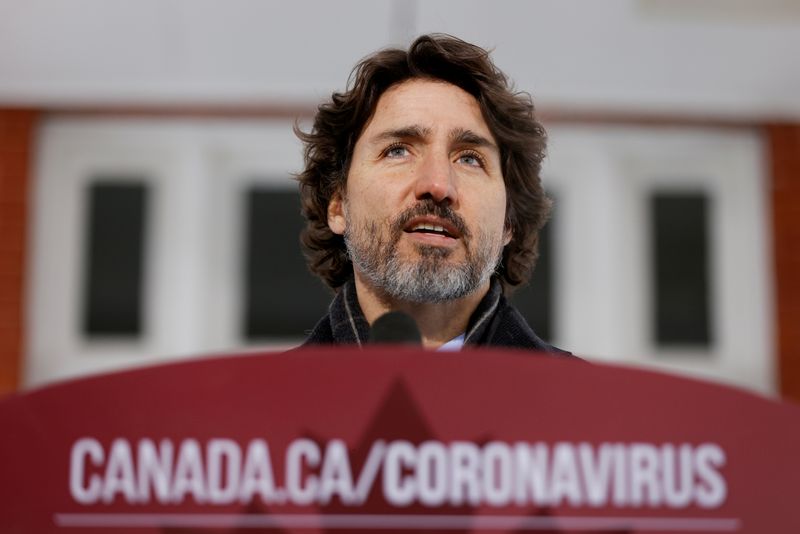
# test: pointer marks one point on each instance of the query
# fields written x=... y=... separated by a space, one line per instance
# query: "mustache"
x=430 y=207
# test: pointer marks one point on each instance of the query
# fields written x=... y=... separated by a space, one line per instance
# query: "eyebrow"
x=406 y=132
x=460 y=136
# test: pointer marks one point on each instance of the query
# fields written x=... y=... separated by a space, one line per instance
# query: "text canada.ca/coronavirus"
x=224 y=471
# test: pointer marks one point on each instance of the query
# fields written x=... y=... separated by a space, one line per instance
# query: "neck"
x=438 y=322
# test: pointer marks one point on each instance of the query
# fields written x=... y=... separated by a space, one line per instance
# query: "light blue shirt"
x=453 y=345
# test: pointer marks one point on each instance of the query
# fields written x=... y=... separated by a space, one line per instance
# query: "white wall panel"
x=639 y=55
x=628 y=55
x=174 y=51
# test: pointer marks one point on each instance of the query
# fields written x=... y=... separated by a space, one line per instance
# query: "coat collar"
x=349 y=326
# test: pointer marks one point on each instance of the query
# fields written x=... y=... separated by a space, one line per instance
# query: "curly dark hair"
x=339 y=123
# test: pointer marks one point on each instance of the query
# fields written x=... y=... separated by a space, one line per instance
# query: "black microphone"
x=395 y=328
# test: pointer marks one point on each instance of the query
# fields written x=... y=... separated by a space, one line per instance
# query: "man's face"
x=423 y=213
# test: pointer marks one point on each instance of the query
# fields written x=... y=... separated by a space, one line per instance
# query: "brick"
x=16 y=140
x=13 y=187
x=12 y=244
x=10 y=337
x=13 y=212
x=784 y=146
x=15 y=165
x=11 y=316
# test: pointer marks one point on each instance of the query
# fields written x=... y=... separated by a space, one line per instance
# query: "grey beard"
x=428 y=279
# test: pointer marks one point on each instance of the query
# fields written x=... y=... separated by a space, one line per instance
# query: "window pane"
x=282 y=298
x=535 y=300
x=680 y=259
x=114 y=258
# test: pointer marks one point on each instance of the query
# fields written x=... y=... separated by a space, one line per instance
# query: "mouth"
x=432 y=226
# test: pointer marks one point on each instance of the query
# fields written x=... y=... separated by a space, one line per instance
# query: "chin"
x=432 y=251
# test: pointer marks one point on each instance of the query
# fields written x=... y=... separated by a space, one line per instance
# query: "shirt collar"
x=454 y=345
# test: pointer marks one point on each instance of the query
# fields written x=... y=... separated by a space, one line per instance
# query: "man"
x=422 y=194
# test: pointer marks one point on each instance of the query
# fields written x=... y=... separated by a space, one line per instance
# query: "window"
x=114 y=257
x=282 y=299
x=679 y=247
x=535 y=300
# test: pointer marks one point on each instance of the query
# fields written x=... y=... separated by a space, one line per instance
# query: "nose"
x=436 y=180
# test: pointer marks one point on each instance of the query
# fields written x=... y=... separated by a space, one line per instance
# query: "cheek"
x=378 y=198
x=495 y=205
x=496 y=218
x=363 y=209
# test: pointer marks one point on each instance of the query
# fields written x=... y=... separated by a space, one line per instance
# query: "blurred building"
x=148 y=212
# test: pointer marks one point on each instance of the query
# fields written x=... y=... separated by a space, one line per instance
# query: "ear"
x=507 y=234
x=336 y=220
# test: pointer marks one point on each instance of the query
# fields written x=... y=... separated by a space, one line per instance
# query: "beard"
x=430 y=277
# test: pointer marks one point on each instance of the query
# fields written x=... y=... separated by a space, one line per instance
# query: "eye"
x=471 y=159
x=397 y=150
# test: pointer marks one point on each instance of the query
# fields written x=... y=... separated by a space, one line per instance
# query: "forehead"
x=434 y=104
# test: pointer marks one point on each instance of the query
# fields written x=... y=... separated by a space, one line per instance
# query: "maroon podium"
x=400 y=440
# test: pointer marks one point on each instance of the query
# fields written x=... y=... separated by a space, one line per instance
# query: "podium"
x=397 y=440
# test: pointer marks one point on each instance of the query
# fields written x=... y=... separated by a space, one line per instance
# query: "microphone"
x=395 y=328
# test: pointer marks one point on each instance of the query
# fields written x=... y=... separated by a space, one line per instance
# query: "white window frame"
x=603 y=177
x=193 y=169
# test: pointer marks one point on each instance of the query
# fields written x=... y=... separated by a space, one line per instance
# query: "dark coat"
x=494 y=323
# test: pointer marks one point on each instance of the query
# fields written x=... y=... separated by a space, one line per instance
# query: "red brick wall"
x=16 y=141
x=784 y=145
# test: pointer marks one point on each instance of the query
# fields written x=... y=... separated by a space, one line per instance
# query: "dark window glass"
x=535 y=300
x=282 y=298
x=681 y=269
x=114 y=258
